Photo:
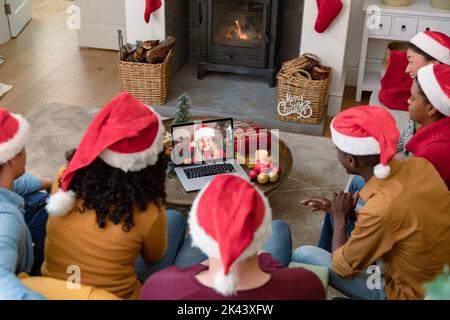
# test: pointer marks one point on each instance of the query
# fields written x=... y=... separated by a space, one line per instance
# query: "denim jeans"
x=36 y=217
x=356 y=287
x=326 y=235
x=279 y=245
x=176 y=229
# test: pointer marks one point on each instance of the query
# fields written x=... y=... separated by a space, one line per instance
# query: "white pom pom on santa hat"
x=367 y=130
x=61 y=203
x=226 y=284
x=381 y=171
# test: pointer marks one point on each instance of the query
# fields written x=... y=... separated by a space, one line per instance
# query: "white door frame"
x=5 y=34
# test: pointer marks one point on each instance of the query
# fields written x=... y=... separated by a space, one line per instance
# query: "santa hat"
x=434 y=80
x=367 y=130
x=126 y=135
x=13 y=134
x=436 y=44
x=203 y=130
x=230 y=220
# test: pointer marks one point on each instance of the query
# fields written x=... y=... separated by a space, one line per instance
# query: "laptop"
x=203 y=149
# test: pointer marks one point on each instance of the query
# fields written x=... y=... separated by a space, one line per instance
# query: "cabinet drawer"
x=428 y=24
x=404 y=28
x=445 y=27
x=383 y=28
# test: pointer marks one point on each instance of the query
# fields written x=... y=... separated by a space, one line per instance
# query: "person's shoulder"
x=171 y=281
x=298 y=283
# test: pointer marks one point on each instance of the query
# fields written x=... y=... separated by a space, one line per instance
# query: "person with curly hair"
x=107 y=204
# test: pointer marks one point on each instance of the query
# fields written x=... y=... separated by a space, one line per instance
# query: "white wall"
x=330 y=46
x=4 y=27
x=137 y=29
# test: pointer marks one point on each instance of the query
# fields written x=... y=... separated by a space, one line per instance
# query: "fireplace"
x=240 y=36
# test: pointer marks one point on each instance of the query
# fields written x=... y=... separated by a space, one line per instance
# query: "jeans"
x=279 y=245
x=36 y=217
x=355 y=288
x=176 y=229
x=326 y=235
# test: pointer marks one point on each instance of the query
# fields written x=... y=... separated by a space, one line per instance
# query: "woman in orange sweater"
x=107 y=205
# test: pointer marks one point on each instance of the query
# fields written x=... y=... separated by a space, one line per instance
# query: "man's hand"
x=343 y=205
x=317 y=204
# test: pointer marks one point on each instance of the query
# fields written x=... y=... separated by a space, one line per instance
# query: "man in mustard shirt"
x=402 y=234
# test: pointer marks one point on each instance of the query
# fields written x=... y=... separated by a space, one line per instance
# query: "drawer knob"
x=403 y=28
x=380 y=26
x=427 y=29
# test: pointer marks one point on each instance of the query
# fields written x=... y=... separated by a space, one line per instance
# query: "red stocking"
x=150 y=7
x=328 y=11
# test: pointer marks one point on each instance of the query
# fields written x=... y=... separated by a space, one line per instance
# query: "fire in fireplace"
x=239 y=36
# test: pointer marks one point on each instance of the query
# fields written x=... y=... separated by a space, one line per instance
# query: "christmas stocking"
x=328 y=11
x=150 y=7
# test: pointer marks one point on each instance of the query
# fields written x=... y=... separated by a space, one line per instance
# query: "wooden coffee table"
x=175 y=191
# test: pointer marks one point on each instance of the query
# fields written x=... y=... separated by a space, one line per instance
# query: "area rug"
x=56 y=128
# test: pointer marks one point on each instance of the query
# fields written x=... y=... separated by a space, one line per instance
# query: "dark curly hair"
x=115 y=194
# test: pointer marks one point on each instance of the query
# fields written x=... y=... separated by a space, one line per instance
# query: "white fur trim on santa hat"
x=432 y=47
x=12 y=147
x=226 y=284
x=139 y=160
x=355 y=146
x=61 y=203
x=433 y=90
x=204 y=132
x=210 y=247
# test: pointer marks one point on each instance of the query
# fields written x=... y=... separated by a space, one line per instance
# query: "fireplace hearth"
x=240 y=36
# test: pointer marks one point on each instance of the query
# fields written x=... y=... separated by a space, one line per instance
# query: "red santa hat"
x=13 y=134
x=367 y=130
x=126 y=135
x=436 y=44
x=434 y=79
x=230 y=220
x=203 y=130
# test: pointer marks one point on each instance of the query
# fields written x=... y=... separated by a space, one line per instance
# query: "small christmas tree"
x=184 y=105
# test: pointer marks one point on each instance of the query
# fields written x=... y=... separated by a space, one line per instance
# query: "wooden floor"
x=45 y=65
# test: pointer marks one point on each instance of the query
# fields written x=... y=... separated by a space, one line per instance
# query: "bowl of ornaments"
x=263 y=170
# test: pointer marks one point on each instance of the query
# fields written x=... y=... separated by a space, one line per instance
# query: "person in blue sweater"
x=16 y=243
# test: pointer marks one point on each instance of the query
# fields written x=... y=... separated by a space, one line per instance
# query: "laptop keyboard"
x=210 y=170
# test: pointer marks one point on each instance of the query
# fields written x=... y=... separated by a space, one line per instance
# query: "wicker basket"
x=147 y=82
x=311 y=94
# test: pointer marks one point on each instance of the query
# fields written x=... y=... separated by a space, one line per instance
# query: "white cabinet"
x=396 y=24
x=429 y=24
x=383 y=28
x=404 y=27
x=446 y=26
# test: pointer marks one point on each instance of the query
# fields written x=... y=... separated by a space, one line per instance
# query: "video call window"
x=203 y=143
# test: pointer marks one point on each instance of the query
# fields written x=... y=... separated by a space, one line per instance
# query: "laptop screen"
x=202 y=142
